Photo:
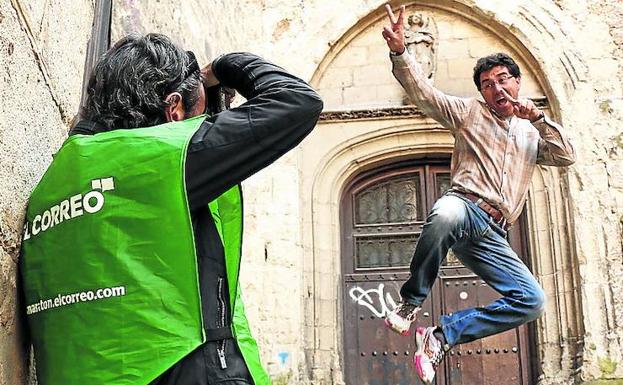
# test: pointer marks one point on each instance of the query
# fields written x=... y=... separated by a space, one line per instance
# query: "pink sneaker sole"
x=417 y=357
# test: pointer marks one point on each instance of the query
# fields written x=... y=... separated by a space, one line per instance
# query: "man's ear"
x=174 y=111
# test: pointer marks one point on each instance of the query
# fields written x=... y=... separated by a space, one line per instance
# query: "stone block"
x=389 y=94
x=454 y=48
x=327 y=337
x=327 y=285
x=459 y=30
x=373 y=75
x=337 y=78
x=359 y=96
x=379 y=54
x=333 y=98
x=548 y=283
x=357 y=56
x=460 y=69
x=370 y=38
x=329 y=317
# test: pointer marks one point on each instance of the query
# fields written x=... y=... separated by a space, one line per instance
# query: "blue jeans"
x=480 y=244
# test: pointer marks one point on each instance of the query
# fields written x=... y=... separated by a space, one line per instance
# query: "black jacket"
x=280 y=111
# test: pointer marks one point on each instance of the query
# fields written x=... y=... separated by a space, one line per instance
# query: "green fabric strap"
x=227 y=213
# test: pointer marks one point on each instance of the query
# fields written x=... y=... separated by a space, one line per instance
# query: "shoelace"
x=437 y=357
x=407 y=312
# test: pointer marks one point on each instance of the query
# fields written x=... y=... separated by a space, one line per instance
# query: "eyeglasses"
x=488 y=85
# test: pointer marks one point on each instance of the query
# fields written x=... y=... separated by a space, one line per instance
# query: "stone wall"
x=595 y=106
x=576 y=45
x=40 y=79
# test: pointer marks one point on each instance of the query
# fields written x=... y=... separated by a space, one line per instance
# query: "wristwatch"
x=394 y=53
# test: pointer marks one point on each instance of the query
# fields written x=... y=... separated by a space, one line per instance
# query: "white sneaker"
x=428 y=355
x=401 y=318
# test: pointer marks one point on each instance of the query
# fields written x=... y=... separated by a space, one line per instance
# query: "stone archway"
x=384 y=142
x=368 y=124
x=560 y=331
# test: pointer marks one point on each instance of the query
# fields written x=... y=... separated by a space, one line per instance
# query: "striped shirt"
x=493 y=158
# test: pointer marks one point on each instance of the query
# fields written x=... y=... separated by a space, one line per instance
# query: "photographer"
x=168 y=226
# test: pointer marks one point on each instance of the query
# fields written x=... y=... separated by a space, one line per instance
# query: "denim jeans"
x=480 y=244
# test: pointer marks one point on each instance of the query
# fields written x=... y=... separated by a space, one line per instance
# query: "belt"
x=494 y=213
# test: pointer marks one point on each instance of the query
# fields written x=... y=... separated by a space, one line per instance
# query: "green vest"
x=109 y=261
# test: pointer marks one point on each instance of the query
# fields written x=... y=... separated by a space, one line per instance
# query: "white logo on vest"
x=70 y=208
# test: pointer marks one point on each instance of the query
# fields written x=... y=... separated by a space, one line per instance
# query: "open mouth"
x=501 y=102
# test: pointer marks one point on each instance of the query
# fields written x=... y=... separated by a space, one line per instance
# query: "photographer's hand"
x=208 y=77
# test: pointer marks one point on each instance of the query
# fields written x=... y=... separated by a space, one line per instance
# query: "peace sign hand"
x=395 y=34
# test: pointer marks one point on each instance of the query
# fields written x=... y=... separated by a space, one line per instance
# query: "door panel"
x=377 y=355
x=492 y=360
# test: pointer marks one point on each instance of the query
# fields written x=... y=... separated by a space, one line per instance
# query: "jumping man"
x=498 y=143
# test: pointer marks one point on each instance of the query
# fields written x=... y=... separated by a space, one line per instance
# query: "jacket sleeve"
x=280 y=111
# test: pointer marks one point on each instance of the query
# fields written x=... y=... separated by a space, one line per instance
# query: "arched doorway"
x=369 y=123
x=383 y=211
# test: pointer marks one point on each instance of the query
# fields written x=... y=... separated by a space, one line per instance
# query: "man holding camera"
x=133 y=236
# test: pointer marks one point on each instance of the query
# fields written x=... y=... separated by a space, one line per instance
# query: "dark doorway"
x=382 y=214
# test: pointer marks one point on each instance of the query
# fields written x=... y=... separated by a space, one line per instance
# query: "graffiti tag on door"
x=376 y=300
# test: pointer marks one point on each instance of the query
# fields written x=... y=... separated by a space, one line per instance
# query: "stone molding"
x=372 y=113
x=410 y=111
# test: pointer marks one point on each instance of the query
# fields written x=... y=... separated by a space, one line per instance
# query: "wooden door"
x=382 y=215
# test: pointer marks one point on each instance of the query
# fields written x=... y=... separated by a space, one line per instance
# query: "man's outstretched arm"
x=448 y=110
x=280 y=111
